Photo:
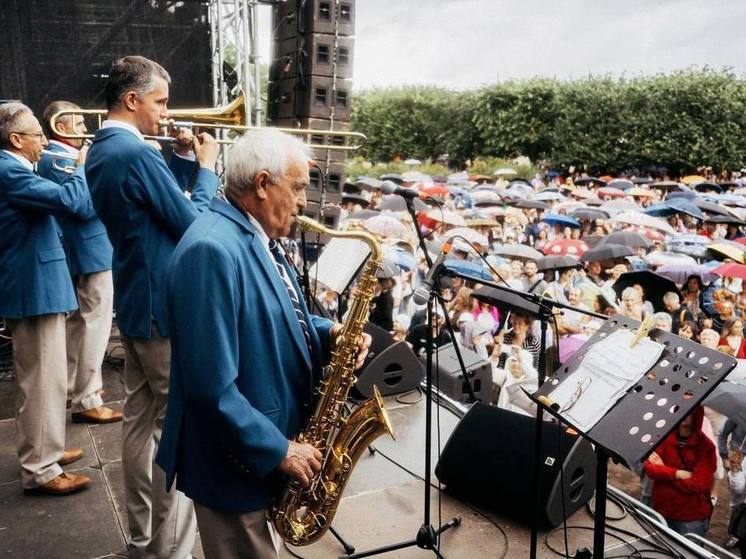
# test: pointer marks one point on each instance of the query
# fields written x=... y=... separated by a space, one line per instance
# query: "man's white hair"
x=671 y=297
x=262 y=150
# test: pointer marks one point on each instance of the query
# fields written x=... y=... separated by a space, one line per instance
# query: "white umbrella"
x=469 y=234
x=502 y=171
x=486 y=197
x=412 y=162
x=447 y=217
x=643 y=220
x=659 y=258
x=385 y=226
x=548 y=196
x=616 y=206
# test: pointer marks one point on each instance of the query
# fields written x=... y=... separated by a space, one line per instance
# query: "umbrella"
x=693 y=245
x=608 y=251
x=685 y=194
x=368 y=183
x=680 y=272
x=711 y=207
x=567 y=206
x=435 y=190
x=708 y=187
x=503 y=171
x=642 y=180
x=729 y=398
x=470 y=235
x=493 y=211
x=412 y=162
x=640 y=192
x=518 y=252
x=396 y=203
x=674 y=206
x=549 y=196
x=535 y=204
x=616 y=206
x=655 y=286
x=731 y=270
x=581 y=193
x=728 y=250
x=363 y=214
x=446 y=217
x=481 y=222
x=359 y=198
x=385 y=226
x=392 y=177
x=388 y=269
x=556 y=263
x=588 y=214
x=628 y=238
x=520 y=189
x=730 y=200
x=556 y=219
x=660 y=258
x=400 y=256
x=649 y=234
x=642 y=220
x=693 y=179
x=474 y=269
x=665 y=185
x=572 y=247
x=486 y=198
x=621 y=184
x=486 y=187
x=589 y=181
x=594 y=201
x=610 y=192
x=724 y=219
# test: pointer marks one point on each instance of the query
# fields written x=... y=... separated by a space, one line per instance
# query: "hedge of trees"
x=679 y=121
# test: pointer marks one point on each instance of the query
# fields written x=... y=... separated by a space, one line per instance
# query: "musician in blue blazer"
x=88 y=252
x=246 y=352
x=35 y=294
x=145 y=213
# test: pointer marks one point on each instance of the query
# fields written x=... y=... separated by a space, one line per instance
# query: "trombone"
x=56 y=156
x=227 y=117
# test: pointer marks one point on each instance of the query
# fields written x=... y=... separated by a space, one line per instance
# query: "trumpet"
x=228 y=117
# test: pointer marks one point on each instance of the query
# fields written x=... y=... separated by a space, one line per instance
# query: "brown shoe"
x=100 y=414
x=71 y=455
x=63 y=484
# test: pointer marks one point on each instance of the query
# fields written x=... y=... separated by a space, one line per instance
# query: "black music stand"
x=684 y=375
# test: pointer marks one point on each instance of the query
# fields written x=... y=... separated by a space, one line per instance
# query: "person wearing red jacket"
x=682 y=468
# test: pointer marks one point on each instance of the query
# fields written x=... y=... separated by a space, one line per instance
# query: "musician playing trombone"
x=145 y=212
x=88 y=253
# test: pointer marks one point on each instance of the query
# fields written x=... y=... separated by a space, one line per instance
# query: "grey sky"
x=468 y=43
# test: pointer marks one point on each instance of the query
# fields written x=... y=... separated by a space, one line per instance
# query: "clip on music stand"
x=684 y=375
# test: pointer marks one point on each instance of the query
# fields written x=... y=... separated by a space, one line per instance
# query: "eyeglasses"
x=39 y=135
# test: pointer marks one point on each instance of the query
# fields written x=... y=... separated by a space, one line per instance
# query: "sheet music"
x=338 y=263
x=608 y=370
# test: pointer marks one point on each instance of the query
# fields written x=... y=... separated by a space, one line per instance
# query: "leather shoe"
x=71 y=455
x=100 y=414
x=63 y=484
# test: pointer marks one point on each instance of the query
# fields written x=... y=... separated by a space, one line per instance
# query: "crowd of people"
x=637 y=246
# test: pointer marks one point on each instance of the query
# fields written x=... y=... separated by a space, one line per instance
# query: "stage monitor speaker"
x=390 y=365
x=450 y=380
x=488 y=460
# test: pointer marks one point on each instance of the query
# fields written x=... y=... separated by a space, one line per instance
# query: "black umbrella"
x=628 y=238
x=724 y=219
x=589 y=180
x=356 y=198
x=505 y=300
x=588 y=214
x=396 y=203
x=666 y=185
x=536 y=204
x=642 y=180
x=710 y=207
x=392 y=177
x=606 y=252
x=556 y=263
x=621 y=184
x=654 y=285
x=707 y=187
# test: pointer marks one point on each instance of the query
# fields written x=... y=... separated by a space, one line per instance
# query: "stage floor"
x=383 y=503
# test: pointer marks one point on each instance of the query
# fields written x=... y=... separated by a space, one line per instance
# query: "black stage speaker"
x=488 y=461
x=450 y=379
x=390 y=365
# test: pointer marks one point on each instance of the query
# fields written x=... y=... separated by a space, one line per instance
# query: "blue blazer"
x=86 y=245
x=34 y=278
x=145 y=213
x=242 y=379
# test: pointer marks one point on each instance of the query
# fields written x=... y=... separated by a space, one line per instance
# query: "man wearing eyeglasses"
x=35 y=294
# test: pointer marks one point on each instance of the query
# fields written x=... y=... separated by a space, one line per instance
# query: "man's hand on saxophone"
x=301 y=462
x=363 y=346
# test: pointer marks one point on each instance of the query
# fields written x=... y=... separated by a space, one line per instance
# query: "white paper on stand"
x=338 y=263
x=608 y=370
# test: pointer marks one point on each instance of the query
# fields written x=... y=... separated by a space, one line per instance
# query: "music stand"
x=681 y=379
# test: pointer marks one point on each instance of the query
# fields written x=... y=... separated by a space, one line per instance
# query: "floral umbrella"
x=565 y=247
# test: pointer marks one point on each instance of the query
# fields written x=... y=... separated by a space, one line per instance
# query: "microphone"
x=422 y=294
x=388 y=187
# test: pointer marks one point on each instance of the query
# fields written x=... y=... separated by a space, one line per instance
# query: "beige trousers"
x=227 y=535
x=161 y=523
x=41 y=377
x=88 y=331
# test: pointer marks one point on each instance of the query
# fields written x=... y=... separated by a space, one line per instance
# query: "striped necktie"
x=280 y=262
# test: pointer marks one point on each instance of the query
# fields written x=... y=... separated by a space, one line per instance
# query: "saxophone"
x=302 y=515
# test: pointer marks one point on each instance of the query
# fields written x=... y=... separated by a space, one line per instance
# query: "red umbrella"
x=731 y=270
x=649 y=234
x=565 y=247
x=435 y=190
x=741 y=240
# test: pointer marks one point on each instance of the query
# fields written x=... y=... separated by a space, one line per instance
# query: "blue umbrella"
x=558 y=219
x=674 y=206
x=683 y=195
x=473 y=269
x=401 y=257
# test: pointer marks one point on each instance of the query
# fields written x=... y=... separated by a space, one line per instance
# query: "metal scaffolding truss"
x=235 y=54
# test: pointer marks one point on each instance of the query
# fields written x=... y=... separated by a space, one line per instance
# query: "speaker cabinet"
x=314 y=97
x=314 y=16
x=450 y=379
x=312 y=54
x=488 y=460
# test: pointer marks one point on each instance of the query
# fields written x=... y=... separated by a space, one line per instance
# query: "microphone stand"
x=427 y=536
